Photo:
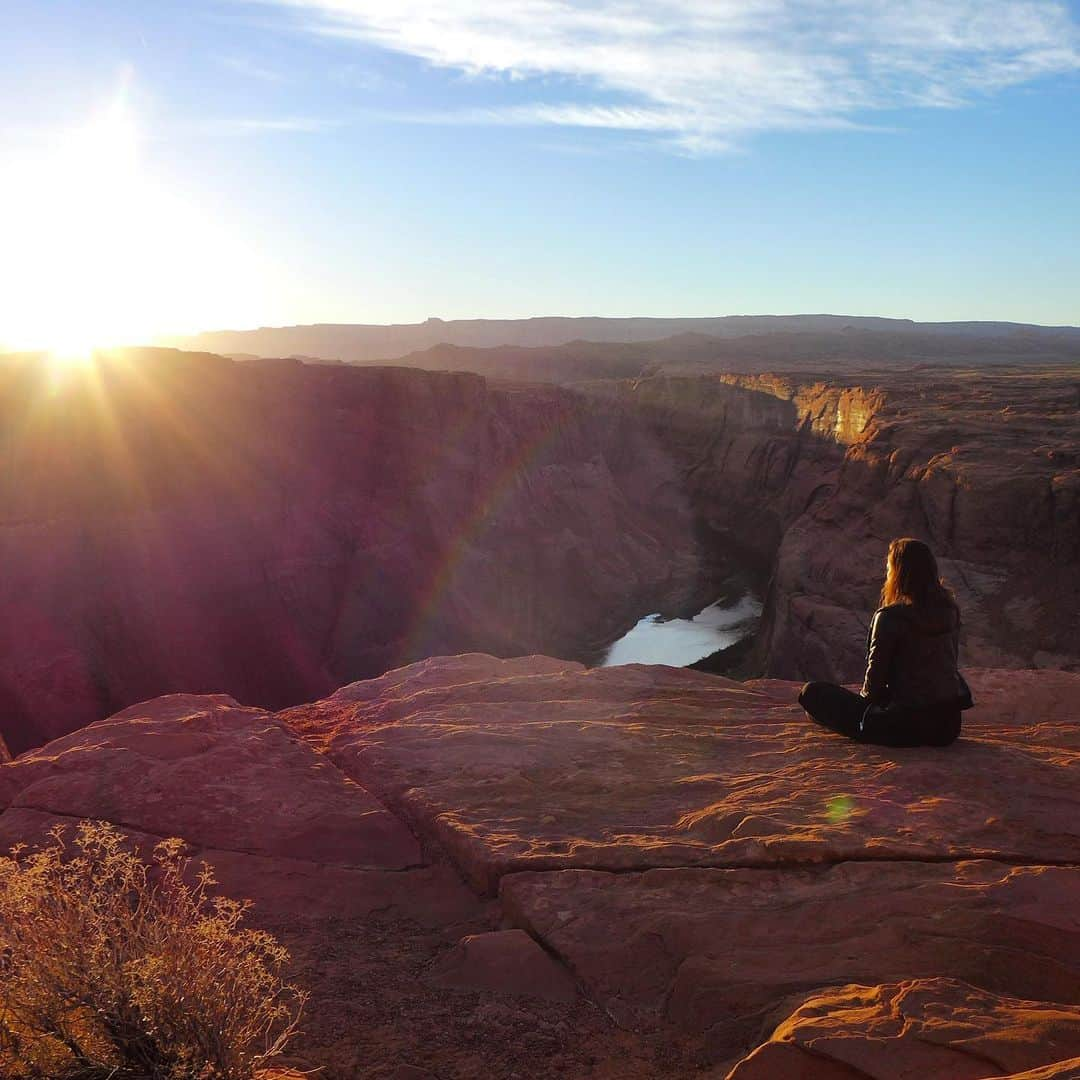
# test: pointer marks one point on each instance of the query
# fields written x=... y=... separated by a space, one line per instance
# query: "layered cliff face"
x=813 y=475
x=178 y=522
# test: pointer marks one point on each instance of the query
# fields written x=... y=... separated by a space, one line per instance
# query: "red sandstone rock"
x=533 y=764
x=720 y=953
x=505 y=962
x=786 y=890
x=934 y=1029
x=849 y=863
x=215 y=774
x=182 y=523
x=823 y=469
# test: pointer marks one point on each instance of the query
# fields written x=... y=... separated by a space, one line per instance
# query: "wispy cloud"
x=250 y=69
x=259 y=125
x=356 y=77
x=705 y=74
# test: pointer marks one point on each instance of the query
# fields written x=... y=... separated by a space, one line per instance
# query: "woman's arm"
x=879 y=654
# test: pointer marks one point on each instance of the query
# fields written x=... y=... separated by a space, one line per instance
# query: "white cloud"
x=707 y=73
x=258 y=125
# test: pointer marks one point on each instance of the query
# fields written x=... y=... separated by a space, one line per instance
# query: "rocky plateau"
x=528 y=868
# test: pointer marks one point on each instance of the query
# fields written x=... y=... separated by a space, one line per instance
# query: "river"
x=679 y=642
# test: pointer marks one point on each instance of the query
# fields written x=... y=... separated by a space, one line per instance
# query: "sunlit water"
x=678 y=642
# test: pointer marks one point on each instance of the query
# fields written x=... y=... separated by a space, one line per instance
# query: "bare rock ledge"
x=726 y=889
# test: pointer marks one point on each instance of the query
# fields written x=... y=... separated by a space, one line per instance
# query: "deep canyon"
x=272 y=530
x=530 y=866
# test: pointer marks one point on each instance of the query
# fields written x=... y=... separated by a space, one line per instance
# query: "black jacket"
x=911 y=658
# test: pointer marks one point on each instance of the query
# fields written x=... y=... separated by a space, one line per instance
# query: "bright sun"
x=97 y=254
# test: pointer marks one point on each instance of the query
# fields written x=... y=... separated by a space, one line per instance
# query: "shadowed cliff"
x=176 y=521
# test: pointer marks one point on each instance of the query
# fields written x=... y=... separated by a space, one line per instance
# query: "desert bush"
x=114 y=968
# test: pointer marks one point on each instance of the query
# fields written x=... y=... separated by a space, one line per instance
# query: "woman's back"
x=917 y=653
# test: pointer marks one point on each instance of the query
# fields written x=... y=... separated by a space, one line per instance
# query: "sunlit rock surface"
x=932 y=1027
x=218 y=775
x=533 y=764
x=713 y=885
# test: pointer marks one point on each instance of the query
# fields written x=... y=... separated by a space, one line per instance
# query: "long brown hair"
x=912 y=577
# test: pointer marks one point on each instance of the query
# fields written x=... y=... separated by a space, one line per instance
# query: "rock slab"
x=718 y=954
x=215 y=774
x=535 y=764
x=734 y=888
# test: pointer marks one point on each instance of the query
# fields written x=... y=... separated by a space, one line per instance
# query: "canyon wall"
x=176 y=521
x=813 y=475
x=180 y=522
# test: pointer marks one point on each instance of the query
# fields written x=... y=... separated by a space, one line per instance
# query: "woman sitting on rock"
x=913 y=693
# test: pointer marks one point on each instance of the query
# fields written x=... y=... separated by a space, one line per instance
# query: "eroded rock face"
x=180 y=523
x=817 y=471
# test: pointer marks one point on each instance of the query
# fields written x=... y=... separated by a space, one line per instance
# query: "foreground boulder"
x=216 y=774
x=936 y=1027
x=718 y=953
x=671 y=874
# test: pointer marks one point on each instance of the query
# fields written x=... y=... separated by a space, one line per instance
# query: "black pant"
x=841 y=710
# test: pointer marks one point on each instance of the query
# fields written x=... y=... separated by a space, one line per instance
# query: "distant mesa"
x=359 y=343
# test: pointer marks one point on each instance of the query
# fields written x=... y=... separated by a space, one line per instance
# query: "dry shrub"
x=112 y=968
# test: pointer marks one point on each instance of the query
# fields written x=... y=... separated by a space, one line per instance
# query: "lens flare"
x=839 y=809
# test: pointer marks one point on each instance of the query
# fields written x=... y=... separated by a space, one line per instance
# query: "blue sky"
x=387 y=160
